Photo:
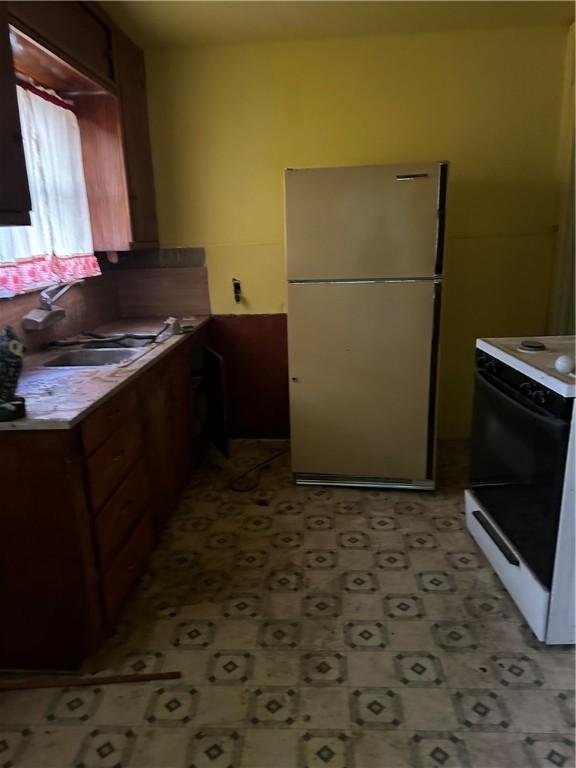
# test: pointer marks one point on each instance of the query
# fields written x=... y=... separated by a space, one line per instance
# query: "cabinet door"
x=155 y=392
x=183 y=418
x=14 y=193
x=217 y=422
x=71 y=30
x=137 y=152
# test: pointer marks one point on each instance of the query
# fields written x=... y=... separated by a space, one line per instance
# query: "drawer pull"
x=118 y=455
x=496 y=538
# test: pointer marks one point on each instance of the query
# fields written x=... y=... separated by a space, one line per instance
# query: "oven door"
x=518 y=461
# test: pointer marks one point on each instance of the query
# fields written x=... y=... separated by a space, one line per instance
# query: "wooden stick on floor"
x=71 y=681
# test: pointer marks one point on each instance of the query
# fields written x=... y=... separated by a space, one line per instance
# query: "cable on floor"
x=236 y=485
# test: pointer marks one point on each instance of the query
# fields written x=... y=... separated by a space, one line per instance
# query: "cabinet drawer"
x=104 y=420
x=111 y=462
x=127 y=567
x=118 y=516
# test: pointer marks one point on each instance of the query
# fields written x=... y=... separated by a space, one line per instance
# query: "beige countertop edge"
x=131 y=371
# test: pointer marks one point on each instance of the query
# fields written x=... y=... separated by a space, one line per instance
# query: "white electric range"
x=520 y=506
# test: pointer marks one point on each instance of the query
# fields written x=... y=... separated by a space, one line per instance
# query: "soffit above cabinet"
x=167 y=24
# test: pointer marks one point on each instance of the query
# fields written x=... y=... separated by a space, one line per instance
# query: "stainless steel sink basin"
x=93 y=357
x=111 y=344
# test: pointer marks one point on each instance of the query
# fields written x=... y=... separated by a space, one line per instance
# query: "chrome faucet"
x=50 y=295
x=49 y=312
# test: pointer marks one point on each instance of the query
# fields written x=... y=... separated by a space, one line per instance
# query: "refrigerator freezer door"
x=360 y=365
x=363 y=221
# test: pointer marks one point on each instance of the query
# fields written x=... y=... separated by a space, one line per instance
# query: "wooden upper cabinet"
x=14 y=192
x=74 y=48
x=131 y=76
x=71 y=30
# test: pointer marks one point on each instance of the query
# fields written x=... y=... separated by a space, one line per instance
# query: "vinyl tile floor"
x=314 y=628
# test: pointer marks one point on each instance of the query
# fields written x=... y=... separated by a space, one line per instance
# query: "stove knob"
x=491 y=367
x=540 y=396
x=526 y=388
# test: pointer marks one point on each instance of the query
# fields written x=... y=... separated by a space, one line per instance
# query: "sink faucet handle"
x=50 y=295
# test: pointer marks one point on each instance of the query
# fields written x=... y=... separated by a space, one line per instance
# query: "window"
x=57 y=246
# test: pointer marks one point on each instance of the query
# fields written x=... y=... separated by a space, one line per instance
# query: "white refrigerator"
x=364 y=252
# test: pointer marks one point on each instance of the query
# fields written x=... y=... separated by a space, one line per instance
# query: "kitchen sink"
x=127 y=343
x=93 y=357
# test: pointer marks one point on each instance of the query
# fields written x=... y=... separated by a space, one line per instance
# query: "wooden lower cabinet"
x=80 y=511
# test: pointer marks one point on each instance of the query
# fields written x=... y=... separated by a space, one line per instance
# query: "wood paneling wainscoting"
x=255 y=352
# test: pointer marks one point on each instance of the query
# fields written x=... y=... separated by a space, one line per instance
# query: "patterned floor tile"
x=214 y=748
x=366 y=621
x=436 y=581
x=353 y=540
x=13 y=742
x=376 y=708
x=455 y=636
x=488 y=607
x=241 y=606
x=265 y=747
x=230 y=668
x=353 y=508
x=448 y=523
x=320 y=559
x=403 y=607
x=390 y=560
x=230 y=509
x=409 y=508
x=438 y=750
x=210 y=582
x=257 y=523
x=481 y=710
x=359 y=581
x=465 y=561
x=251 y=559
x=419 y=669
x=324 y=668
x=284 y=581
x=288 y=508
x=321 y=606
x=106 y=748
x=221 y=541
x=421 y=540
x=565 y=701
x=287 y=540
x=325 y=748
x=273 y=707
x=516 y=671
x=194 y=634
x=549 y=751
x=366 y=635
x=74 y=706
x=382 y=522
x=324 y=707
x=320 y=494
x=279 y=634
x=172 y=706
x=141 y=663
x=319 y=522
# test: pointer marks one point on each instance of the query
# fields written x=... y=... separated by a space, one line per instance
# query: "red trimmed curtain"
x=57 y=246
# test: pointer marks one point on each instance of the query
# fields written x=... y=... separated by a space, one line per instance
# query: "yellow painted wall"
x=226 y=121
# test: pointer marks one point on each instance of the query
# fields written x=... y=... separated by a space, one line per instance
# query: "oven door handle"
x=535 y=412
x=496 y=538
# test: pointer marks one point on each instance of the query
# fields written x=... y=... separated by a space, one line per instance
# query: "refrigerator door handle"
x=411 y=176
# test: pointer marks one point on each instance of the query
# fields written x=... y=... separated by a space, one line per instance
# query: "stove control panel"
x=519 y=385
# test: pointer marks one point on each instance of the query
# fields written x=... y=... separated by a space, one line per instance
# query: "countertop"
x=59 y=397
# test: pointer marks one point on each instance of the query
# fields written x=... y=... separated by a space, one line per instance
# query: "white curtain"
x=58 y=245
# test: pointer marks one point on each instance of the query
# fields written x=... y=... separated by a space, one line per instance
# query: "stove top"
x=533 y=360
